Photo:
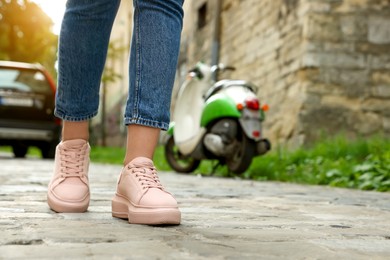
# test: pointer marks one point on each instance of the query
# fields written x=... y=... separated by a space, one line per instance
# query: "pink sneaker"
x=141 y=198
x=68 y=189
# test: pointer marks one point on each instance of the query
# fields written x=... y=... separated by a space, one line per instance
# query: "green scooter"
x=216 y=121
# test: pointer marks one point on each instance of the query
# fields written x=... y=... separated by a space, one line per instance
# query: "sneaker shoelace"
x=147 y=177
x=72 y=162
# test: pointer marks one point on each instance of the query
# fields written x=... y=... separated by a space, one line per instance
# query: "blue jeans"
x=83 y=45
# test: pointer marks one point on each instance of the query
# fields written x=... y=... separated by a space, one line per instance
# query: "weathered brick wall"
x=323 y=66
x=263 y=40
x=346 y=67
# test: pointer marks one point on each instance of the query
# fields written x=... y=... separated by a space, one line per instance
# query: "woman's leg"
x=141 y=142
x=75 y=130
x=140 y=197
x=83 y=44
x=153 y=61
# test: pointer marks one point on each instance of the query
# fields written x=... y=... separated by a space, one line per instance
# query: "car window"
x=23 y=80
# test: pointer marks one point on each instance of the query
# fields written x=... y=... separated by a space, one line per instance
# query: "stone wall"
x=323 y=66
x=346 y=66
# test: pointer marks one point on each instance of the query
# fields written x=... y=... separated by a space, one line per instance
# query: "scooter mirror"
x=221 y=67
x=191 y=74
x=195 y=72
x=214 y=68
x=230 y=68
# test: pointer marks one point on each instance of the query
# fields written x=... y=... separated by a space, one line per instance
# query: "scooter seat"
x=228 y=83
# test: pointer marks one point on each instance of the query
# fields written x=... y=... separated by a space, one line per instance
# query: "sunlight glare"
x=55 y=10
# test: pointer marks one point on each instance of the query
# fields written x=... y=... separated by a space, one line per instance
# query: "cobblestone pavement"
x=221 y=219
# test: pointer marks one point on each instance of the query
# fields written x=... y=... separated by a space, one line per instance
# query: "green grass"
x=359 y=164
x=32 y=151
x=111 y=155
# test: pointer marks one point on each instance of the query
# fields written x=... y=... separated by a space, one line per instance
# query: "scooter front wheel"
x=177 y=160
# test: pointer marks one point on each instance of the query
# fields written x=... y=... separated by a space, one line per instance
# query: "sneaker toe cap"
x=158 y=198
x=71 y=192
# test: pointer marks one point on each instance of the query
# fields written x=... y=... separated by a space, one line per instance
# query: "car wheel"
x=48 y=150
x=20 y=150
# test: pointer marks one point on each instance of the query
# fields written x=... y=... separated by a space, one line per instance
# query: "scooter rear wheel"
x=177 y=160
x=240 y=161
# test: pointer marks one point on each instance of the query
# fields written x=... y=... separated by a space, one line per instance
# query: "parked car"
x=26 y=109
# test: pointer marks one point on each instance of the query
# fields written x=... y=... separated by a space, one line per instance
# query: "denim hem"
x=65 y=117
x=146 y=122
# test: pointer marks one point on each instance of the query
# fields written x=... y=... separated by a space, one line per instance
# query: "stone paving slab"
x=221 y=219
